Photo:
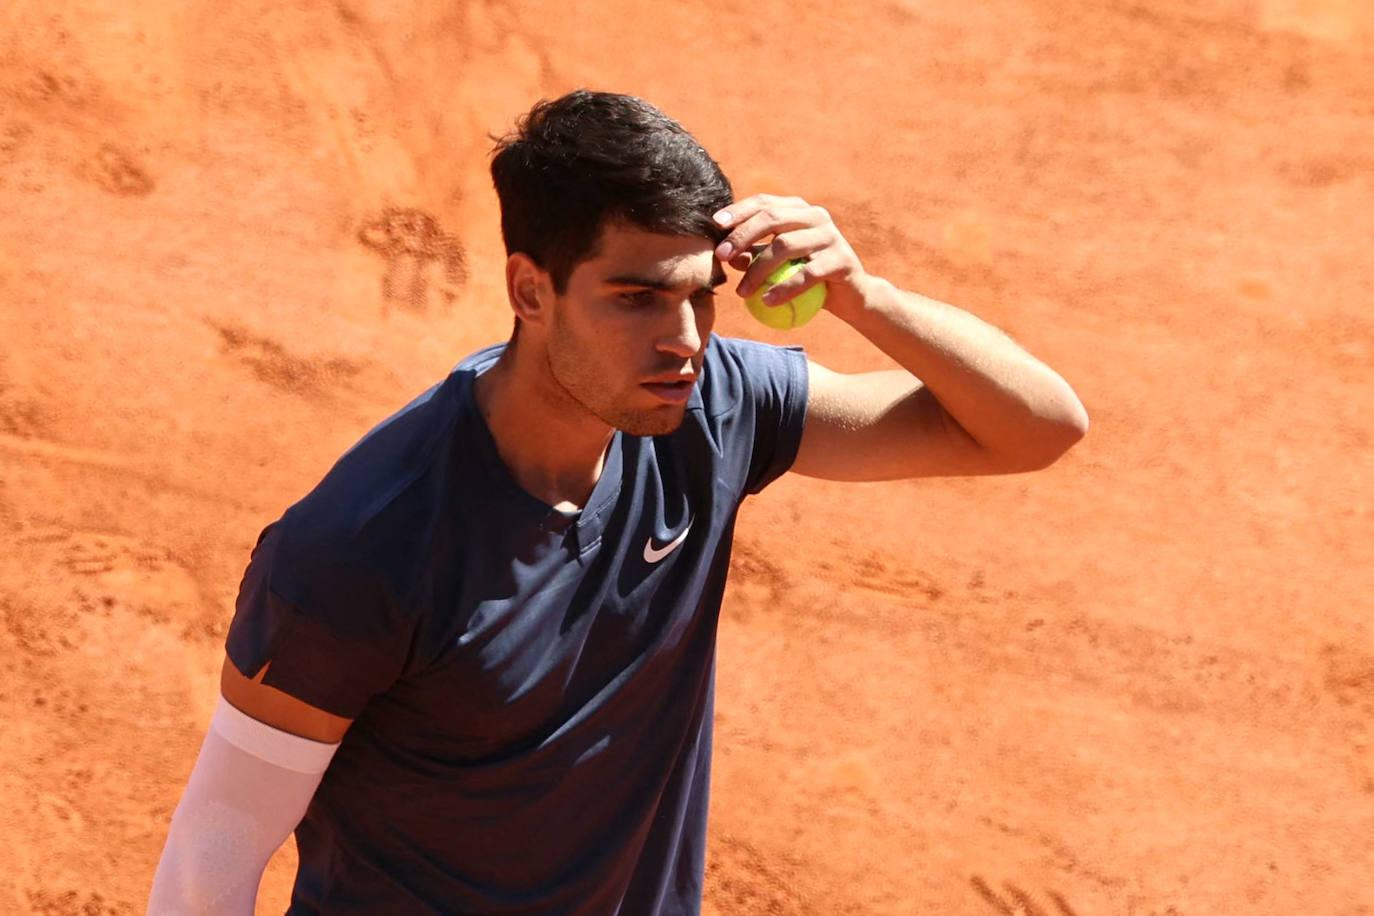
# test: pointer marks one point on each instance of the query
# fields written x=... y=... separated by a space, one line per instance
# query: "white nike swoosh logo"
x=653 y=554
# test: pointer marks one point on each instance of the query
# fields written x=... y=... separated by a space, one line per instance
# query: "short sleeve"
x=771 y=384
x=326 y=630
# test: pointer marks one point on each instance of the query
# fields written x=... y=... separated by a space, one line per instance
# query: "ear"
x=529 y=288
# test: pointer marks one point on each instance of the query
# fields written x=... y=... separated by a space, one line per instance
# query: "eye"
x=639 y=298
x=703 y=298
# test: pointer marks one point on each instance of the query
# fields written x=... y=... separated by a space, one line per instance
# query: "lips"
x=671 y=389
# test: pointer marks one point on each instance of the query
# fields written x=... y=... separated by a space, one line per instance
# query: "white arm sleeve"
x=249 y=789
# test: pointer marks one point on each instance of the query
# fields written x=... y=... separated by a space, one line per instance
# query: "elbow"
x=1059 y=432
x=1046 y=438
x=1073 y=422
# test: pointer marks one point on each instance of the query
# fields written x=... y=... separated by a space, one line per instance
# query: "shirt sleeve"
x=772 y=386
x=327 y=631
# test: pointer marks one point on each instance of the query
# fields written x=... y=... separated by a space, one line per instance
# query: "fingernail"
x=724 y=250
x=722 y=218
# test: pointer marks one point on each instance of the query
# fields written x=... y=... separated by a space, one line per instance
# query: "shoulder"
x=742 y=355
x=747 y=414
x=401 y=453
x=736 y=371
x=391 y=457
x=370 y=509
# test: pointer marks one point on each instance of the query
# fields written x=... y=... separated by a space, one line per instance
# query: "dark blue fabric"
x=532 y=696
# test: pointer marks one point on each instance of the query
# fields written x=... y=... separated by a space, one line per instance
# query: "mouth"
x=671 y=391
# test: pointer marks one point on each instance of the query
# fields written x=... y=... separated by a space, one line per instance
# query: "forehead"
x=672 y=259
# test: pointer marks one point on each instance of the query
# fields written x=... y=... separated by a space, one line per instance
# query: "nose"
x=690 y=324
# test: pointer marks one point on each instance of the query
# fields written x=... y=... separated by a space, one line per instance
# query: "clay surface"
x=235 y=236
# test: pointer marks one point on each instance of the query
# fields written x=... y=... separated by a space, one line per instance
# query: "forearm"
x=983 y=405
x=1006 y=400
x=248 y=790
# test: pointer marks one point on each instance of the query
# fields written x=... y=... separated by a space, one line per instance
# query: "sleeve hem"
x=277 y=747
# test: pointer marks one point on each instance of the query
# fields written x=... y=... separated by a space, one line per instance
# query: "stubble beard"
x=574 y=369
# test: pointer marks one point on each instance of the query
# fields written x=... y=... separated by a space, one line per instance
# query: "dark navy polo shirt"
x=532 y=692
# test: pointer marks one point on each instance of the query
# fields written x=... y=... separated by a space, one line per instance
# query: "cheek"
x=706 y=320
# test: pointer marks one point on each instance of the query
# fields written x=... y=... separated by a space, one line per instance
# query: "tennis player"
x=472 y=669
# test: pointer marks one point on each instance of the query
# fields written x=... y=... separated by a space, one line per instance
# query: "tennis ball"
x=793 y=313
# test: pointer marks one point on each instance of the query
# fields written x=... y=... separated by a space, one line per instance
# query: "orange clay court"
x=234 y=237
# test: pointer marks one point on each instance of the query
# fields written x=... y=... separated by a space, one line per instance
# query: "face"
x=627 y=337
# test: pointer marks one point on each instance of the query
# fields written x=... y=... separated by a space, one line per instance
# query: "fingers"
x=767 y=231
x=826 y=266
x=742 y=260
x=802 y=244
x=742 y=209
x=757 y=217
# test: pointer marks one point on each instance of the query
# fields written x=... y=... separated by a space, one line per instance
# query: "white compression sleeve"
x=249 y=789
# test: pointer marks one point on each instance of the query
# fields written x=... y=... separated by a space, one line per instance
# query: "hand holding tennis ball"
x=793 y=313
x=763 y=230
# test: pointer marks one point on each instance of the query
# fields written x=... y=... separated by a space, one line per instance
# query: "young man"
x=473 y=668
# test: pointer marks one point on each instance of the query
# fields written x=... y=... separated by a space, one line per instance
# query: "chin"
x=650 y=422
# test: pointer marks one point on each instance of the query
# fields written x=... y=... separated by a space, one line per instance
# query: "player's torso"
x=558 y=696
x=546 y=746
x=538 y=625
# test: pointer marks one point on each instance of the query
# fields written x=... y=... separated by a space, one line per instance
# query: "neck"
x=551 y=445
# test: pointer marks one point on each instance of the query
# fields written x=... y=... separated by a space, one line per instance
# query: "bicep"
x=882 y=426
x=278 y=708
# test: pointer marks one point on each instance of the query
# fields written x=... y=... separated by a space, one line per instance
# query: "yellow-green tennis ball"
x=793 y=313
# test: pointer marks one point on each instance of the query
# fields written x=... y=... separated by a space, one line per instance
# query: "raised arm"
x=970 y=401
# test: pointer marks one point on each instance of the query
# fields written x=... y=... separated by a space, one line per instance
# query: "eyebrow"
x=717 y=278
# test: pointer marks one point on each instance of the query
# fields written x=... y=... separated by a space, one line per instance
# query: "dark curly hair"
x=576 y=163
